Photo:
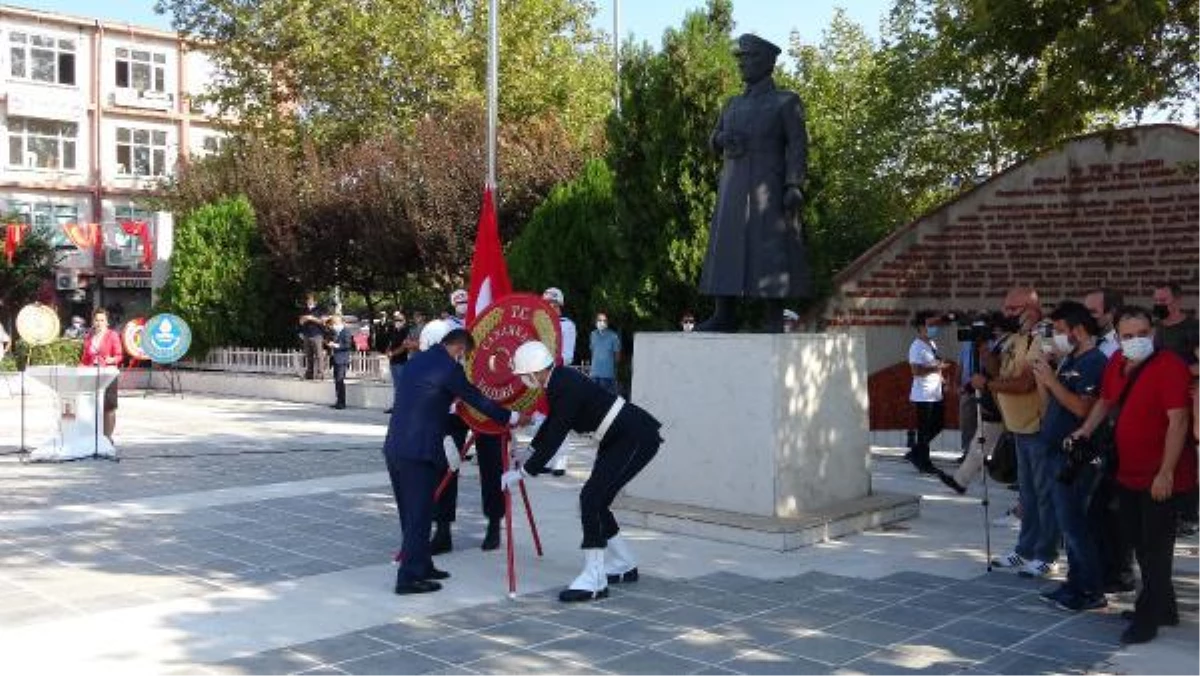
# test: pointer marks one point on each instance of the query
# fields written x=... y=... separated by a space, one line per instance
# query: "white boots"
x=591 y=583
x=619 y=564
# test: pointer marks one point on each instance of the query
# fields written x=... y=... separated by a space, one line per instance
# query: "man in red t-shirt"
x=1155 y=460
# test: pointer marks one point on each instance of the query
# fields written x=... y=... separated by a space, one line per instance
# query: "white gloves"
x=538 y=419
x=511 y=478
x=453 y=459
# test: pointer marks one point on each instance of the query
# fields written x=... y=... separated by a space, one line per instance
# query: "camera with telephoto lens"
x=975 y=327
x=1081 y=452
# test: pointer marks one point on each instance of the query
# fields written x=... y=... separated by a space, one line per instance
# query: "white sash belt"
x=609 y=418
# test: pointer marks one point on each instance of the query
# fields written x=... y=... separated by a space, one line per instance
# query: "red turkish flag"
x=14 y=234
x=489 y=273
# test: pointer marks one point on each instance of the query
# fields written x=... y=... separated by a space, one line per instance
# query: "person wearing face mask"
x=1145 y=391
x=312 y=332
x=1070 y=392
x=398 y=343
x=628 y=439
x=1102 y=303
x=687 y=323
x=554 y=296
x=1016 y=393
x=458 y=300
x=606 y=353
x=340 y=342
x=1174 y=330
x=416 y=454
x=926 y=391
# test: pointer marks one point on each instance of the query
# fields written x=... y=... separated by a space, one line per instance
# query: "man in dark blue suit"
x=416 y=457
x=339 y=347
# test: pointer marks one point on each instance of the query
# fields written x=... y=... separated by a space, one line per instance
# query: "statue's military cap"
x=748 y=42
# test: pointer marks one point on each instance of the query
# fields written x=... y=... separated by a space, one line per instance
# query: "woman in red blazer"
x=102 y=347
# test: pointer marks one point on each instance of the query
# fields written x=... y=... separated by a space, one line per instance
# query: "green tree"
x=338 y=72
x=221 y=283
x=1035 y=73
x=665 y=175
x=31 y=267
x=570 y=242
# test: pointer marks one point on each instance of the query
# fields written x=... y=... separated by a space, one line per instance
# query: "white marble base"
x=760 y=425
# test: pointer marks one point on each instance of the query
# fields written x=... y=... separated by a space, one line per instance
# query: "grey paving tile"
x=529 y=632
x=949 y=603
x=527 y=662
x=758 y=632
x=843 y=604
x=821 y=581
x=986 y=632
x=869 y=631
x=981 y=590
x=1017 y=663
x=463 y=648
x=831 y=650
x=323 y=670
x=909 y=616
x=693 y=617
x=921 y=580
x=1017 y=617
x=702 y=646
x=726 y=581
x=585 y=648
x=635 y=603
x=884 y=591
x=1063 y=649
x=395 y=662
x=738 y=604
x=281 y=661
x=894 y=661
x=953 y=647
x=341 y=648
x=651 y=662
x=643 y=632
x=588 y=617
x=782 y=592
x=769 y=662
x=801 y=616
x=475 y=618
x=716 y=671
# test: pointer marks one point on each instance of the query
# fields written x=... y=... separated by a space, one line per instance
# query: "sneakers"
x=1035 y=568
x=1009 y=560
x=1077 y=603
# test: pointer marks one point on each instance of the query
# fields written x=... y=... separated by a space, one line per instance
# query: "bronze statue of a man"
x=756 y=243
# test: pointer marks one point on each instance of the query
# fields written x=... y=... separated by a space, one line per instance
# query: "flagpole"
x=617 y=56
x=492 y=84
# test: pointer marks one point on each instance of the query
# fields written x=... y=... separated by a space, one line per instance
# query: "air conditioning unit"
x=66 y=280
x=120 y=258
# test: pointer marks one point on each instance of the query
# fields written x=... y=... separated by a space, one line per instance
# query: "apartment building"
x=95 y=114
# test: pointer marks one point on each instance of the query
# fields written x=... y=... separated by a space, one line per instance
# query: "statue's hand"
x=793 y=199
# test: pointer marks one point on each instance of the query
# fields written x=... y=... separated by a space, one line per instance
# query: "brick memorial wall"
x=1120 y=209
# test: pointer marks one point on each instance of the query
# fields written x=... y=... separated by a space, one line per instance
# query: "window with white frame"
x=141 y=70
x=214 y=143
x=48 y=219
x=141 y=152
x=41 y=58
x=42 y=144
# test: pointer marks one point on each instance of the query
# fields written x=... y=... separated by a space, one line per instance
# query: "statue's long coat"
x=754 y=248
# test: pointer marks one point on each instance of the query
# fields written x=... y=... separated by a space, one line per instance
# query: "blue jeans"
x=1084 y=575
x=609 y=384
x=1039 y=527
x=395 y=369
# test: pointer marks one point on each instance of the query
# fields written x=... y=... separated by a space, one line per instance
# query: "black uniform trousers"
x=487 y=451
x=339 y=382
x=630 y=444
x=413 y=482
x=1150 y=527
x=931 y=416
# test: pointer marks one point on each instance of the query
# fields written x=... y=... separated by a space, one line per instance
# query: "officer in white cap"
x=790 y=320
x=554 y=296
x=628 y=439
x=458 y=299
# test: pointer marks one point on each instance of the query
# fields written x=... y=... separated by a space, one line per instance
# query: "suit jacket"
x=430 y=382
x=341 y=351
x=577 y=403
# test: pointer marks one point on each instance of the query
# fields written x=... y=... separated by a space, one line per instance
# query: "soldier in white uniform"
x=554 y=296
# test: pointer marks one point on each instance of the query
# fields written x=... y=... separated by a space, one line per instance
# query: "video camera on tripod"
x=975 y=326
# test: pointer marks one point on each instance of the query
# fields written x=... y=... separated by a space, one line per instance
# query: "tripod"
x=987 y=521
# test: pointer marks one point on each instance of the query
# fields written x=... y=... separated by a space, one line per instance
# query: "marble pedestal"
x=766 y=438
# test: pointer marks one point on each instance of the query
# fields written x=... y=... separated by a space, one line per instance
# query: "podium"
x=75 y=391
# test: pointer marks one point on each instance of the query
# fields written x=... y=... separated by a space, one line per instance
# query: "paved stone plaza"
x=247 y=536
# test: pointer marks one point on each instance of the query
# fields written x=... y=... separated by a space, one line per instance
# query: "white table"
x=75 y=391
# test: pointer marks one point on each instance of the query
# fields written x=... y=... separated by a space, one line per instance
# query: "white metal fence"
x=363 y=365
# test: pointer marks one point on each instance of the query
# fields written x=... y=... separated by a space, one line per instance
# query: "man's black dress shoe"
x=435 y=574
x=417 y=587
x=491 y=539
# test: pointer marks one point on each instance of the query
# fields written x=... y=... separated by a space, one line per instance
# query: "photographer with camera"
x=1020 y=404
x=1145 y=393
x=1071 y=391
x=982 y=338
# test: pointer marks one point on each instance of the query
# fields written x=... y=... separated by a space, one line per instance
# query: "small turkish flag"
x=489 y=273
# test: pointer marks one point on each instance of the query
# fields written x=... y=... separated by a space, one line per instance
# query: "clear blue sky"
x=645 y=19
